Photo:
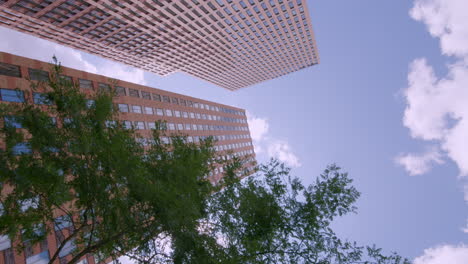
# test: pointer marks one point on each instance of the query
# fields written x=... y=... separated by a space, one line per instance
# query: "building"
x=230 y=43
x=139 y=107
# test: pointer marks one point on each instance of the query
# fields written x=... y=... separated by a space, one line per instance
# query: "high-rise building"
x=230 y=43
x=139 y=106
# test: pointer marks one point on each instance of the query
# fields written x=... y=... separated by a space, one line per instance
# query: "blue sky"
x=388 y=103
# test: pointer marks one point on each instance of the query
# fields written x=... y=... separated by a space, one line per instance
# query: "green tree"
x=69 y=167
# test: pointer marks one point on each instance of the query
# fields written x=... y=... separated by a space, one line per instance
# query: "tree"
x=70 y=168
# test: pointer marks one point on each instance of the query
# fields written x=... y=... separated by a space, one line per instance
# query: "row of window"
x=140 y=125
x=40 y=75
x=124 y=108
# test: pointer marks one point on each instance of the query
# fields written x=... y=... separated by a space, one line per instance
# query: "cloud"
x=417 y=164
x=445 y=254
x=446 y=20
x=437 y=108
x=21 y=44
x=267 y=145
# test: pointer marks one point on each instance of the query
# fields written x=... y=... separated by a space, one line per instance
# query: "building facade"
x=230 y=43
x=139 y=107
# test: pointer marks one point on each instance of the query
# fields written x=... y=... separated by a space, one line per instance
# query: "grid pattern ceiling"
x=230 y=43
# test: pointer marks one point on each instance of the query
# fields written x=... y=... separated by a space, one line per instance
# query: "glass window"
x=136 y=109
x=180 y=127
x=68 y=248
x=41 y=258
x=21 y=148
x=192 y=115
x=194 y=127
x=183 y=102
x=134 y=93
x=171 y=126
x=159 y=112
x=40 y=98
x=90 y=103
x=200 y=127
x=185 y=114
x=10 y=70
x=38 y=75
x=156 y=97
x=188 y=127
x=168 y=112
x=5 y=241
x=145 y=95
x=8 y=95
x=148 y=110
x=151 y=125
x=85 y=84
x=166 y=99
x=198 y=115
x=62 y=222
x=12 y=121
x=177 y=113
x=139 y=125
x=120 y=91
x=175 y=100
x=103 y=87
x=123 y=108
x=127 y=124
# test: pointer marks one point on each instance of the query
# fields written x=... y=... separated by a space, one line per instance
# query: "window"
x=156 y=97
x=168 y=112
x=166 y=99
x=151 y=125
x=136 y=109
x=40 y=98
x=192 y=115
x=127 y=124
x=62 y=222
x=41 y=258
x=159 y=112
x=133 y=93
x=67 y=249
x=180 y=127
x=5 y=242
x=139 y=125
x=188 y=127
x=38 y=75
x=10 y=70
x=123 y=108
x=177 y=113
x=194 y=127
x=175 y=100
x=148 y=110
x=171 y=126
x=11 y=121
x=85 y=84
x=21 y=148
x=120 y=91
x=185 y=114
x=145 y=95
x=104 y=87
x=8 y=95
x=90 y=103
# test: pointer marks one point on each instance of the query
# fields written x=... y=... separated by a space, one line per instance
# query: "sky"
x=388 y=103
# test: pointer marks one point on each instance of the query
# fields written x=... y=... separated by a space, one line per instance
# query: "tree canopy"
x=68 y=166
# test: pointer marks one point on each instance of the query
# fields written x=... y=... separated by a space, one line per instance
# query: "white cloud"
x=265 y=144
x=417 y=164
x=437 y=108
x=446 y=20
x=445 y=254
x=283 y=152
x=21 y=44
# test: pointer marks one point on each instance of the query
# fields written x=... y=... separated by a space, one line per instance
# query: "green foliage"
x=155 y=203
